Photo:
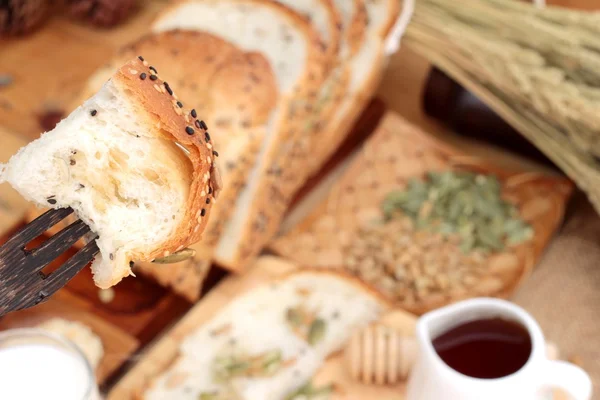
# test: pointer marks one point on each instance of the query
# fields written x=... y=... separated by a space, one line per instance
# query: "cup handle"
x=569 y=378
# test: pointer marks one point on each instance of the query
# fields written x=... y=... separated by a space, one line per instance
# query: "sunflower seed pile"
x=442 y=239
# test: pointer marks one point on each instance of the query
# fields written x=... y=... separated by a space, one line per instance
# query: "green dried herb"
x=461 y=203
x=294 y=316
x=316 y=332
x=229 y=366
x=271 y=362
x=176 y=257
x=308 y=391
x=225 y=394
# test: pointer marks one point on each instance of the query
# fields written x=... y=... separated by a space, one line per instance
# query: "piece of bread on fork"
x=135 y=166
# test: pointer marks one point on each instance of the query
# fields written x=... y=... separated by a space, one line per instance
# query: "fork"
x=23 y=284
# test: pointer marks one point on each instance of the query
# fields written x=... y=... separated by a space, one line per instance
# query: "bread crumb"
x=106 y=295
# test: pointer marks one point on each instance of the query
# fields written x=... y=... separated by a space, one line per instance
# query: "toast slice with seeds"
x=235 y=91
x=271 y=340
x=133 y=167
x=293 y=49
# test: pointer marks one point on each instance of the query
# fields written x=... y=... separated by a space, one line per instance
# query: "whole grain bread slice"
x=256 y=323
x=294 y=49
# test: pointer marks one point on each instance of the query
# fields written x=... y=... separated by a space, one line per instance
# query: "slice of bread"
x=381 y=15
x=285 y=38
x=235 y=92
x=133 y=166
x=326 y=20
x=293 y=49
x=354 y=24
x=366 y=69
x=293 y=324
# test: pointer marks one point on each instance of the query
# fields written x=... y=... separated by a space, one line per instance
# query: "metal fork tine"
x=38 y=226
x=52 y=248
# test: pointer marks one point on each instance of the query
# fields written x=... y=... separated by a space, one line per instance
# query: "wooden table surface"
x=63 y=69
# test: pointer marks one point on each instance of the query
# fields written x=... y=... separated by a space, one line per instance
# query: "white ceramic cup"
x=432 y=379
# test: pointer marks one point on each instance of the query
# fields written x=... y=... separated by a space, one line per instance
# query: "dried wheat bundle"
x=539 y=68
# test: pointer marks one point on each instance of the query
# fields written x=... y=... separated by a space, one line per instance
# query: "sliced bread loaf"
x=293 y=48
x=235 y=92
x=133 y=167
x=270 y=341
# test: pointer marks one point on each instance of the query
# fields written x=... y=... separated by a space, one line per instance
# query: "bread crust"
x=316 y=54
x=355 y=33
x=335 y=22
x=163 y=115
x=393 y=9
x=337 y=128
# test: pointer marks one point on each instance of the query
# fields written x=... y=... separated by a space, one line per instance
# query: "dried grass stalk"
x=537 y=68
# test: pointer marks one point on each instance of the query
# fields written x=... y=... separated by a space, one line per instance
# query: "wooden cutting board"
x=165 y=350
x=396 y=152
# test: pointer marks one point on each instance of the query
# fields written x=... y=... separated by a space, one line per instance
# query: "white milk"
x=40 y=371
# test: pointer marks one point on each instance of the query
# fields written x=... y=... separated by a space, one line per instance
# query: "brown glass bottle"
x=447 y=101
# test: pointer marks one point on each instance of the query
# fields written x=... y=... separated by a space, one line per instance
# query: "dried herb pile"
x=465 y=204
x=444 y=238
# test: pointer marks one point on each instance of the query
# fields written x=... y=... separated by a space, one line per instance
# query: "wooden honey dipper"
x=381 y=354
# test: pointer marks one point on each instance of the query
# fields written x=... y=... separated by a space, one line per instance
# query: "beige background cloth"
x=563 y=293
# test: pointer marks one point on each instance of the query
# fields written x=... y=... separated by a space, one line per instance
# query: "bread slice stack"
x=132 y=164
x=270 y=341
x=235 y=92
x=327 y=56
x=279 y=82
x=295 y=51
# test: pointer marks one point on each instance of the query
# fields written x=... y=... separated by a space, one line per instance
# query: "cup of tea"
x=488 y=349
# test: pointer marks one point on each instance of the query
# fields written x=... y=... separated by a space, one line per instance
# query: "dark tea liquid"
x=485 y=348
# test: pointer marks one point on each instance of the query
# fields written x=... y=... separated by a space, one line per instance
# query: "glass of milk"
x=35 y=365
